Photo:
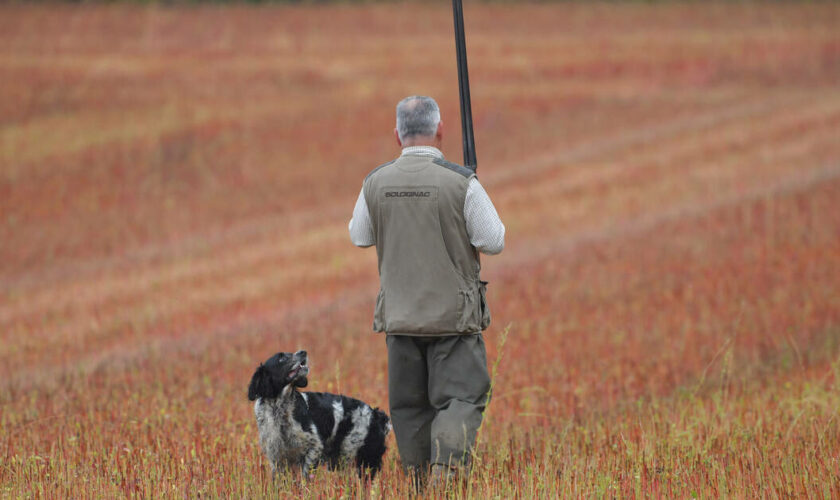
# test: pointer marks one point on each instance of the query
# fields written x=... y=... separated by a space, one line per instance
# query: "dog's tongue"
x=294 y=372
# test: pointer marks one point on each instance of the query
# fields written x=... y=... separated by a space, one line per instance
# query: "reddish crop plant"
x=175 y=186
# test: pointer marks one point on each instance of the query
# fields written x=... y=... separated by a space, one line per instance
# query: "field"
x=175 y=187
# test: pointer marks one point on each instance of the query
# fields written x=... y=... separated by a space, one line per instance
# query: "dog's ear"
x=262 y=385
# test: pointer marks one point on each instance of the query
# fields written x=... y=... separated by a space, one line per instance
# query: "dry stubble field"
x=175 y=185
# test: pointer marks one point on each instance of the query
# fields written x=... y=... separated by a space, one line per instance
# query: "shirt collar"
x=422 y=151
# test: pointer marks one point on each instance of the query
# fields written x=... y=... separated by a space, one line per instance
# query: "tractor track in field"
x=649 y=134
x=541 y=248
x=730 y=140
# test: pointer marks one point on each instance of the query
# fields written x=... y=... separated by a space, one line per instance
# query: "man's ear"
x=439 y=135
x=397 y=135
x=261 y=385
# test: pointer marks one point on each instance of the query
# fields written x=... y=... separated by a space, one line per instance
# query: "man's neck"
x=413 y=143
x=422 y=150
x=431 y=141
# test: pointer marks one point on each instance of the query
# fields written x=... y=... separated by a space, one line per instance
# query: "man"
x=429 y=219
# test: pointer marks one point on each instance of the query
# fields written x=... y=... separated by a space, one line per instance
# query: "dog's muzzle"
x=300 y=368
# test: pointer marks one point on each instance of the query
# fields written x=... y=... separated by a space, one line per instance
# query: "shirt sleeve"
x=485 y=229
x=361 y=229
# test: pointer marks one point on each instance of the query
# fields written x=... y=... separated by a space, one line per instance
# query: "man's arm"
x=361 y=230
x=485 y=229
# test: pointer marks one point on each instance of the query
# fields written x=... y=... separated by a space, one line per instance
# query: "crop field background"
x=175 y=187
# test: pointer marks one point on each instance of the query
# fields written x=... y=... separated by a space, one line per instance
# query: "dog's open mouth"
x=299 y=370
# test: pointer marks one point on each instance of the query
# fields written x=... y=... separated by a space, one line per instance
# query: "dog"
x=300 y=430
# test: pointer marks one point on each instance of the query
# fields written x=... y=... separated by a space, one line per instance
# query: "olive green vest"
x=428 y=269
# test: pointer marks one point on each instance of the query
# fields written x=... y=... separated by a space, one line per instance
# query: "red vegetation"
x=175 y=185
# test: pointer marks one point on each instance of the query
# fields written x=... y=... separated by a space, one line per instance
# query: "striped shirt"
x=485 y=229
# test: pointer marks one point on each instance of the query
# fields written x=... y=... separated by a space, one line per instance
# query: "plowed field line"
x=77 y=269
x=677 y=158
x=541 y=248
x=132 y=285
x=641 y=188
x=650 y=134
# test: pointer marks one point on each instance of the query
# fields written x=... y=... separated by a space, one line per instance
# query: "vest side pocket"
x=379 y=312
x=469 y=321
x=485 y=309
x=464 y=308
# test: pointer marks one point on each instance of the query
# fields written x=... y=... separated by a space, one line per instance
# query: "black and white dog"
x=303 y=429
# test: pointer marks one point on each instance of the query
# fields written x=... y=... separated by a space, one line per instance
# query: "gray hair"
x=417 y=116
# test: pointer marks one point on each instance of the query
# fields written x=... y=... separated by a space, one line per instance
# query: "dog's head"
x=279 y=375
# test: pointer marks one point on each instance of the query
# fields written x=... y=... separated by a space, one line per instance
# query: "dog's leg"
x=314 y=451
x=310 y=461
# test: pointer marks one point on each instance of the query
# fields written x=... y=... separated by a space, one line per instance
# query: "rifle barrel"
x=464 y=87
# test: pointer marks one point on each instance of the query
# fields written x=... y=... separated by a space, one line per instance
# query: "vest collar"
x=422 y=151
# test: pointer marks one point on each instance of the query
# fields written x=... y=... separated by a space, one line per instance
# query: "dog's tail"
x=369 y=457
x=381 y=421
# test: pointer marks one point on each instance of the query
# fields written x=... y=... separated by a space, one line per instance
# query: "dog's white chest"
x=282 y=438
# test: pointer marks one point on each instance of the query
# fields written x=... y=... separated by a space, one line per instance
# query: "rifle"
x=464 y=87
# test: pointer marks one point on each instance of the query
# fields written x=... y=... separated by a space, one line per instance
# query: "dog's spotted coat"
x=303 y=429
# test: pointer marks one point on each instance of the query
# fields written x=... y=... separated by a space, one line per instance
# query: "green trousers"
x=437 y=390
